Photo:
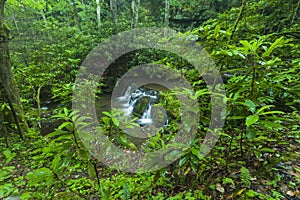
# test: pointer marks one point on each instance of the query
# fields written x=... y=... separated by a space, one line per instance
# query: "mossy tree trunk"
x=8 y=88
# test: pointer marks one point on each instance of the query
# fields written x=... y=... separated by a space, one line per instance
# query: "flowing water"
x=141 y=103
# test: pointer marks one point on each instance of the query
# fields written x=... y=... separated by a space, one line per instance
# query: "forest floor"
x=276 y=174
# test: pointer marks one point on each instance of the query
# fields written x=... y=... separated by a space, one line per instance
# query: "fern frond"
x=126 y=191
x=246 y=176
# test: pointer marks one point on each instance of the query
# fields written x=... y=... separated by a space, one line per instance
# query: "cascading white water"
x=124 y=102
x=139 y=104
x=146 y=117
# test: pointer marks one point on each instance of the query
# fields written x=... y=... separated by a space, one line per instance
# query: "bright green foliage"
x=9 y=156
x=245 y=176
x=255 y=46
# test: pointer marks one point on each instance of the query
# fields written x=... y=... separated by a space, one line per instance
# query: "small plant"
x=245 y=177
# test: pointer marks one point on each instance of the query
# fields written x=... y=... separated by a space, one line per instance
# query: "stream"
x=140 y=103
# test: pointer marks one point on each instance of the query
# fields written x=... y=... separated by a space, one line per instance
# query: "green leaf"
x=7 y=189
x=251 y=105
x=26 y=195
x=251 y=193
x=67 y=125
x=247 y=46
x=263 y=108
x=194 y=163
x=183 y=160
x=123 y=139
x=269 y=150
x=56 y=162
x=251 y=119
x=275 y=44
x=197 y=153
x=107 y=113
x=225 y=135
x=272 y=112
x=198 y=93
x=106 y=121
x=66 y=112
x=245 y=176
x=84 y=154
x=91 y=170
x=115 y=121
x=126 y=191
x=217 y=30
x=9 y=155
x=65 y=162
x=235 y=117
x=227 y=180
x=250 y=133
x=55 y=134
x=272 y=125
x=40 y=176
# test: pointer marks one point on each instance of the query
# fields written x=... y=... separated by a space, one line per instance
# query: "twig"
x=295 y=13
x=237 y=20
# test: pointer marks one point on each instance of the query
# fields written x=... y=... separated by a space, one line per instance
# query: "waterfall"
x=146 y=117
x=139 y=103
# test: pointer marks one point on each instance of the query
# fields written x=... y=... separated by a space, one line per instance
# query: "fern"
x=246 y=176
x=126 y=192
x=227 y=180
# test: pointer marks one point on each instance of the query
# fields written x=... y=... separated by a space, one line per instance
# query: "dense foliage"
x=255 y=45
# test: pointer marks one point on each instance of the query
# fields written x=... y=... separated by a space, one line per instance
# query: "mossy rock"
x=140 y=107
x=159 y=116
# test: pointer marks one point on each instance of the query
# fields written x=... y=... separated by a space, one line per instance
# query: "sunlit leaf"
x=56 y=162
x=263 y=108
x=251 y=119
x=197 y=153
x=251 y=105
x=115 y=121
x=42 y=175
x=275 y=44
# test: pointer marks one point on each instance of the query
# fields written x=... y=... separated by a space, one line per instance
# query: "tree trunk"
x=138 y=3
x=132 y=13
x=113 y=9
x=75 y=13
x=8 y=87
x=135 y=7
x=167 y=13
x=98 y=12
